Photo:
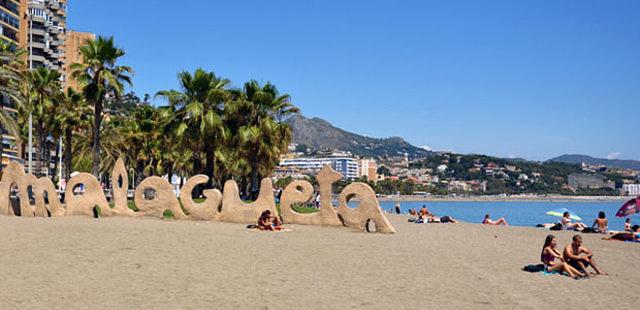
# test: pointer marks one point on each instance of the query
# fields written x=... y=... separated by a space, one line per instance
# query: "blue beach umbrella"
x=561 y=211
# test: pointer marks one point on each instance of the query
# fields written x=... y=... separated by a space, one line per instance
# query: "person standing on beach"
x=579 y=257
x=398 y=211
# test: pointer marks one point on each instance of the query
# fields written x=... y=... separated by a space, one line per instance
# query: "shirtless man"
x=579 y=257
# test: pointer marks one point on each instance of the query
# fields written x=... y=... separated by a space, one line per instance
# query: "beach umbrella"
x=561 y=211
x=630 y=207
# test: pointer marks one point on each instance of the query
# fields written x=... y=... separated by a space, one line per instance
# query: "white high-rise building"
x=631 y=189
x=347 y=166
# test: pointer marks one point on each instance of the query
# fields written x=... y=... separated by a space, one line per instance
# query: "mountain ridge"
x=613 y=163
x=319 y=134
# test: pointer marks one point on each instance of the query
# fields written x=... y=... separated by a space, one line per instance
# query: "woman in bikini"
x=549 y=255
x=488 y=221
x=567 y=225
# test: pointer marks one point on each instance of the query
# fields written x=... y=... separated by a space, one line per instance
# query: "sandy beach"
x=78 y=262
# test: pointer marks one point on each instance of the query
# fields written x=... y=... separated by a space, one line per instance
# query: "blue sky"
x=532 y=79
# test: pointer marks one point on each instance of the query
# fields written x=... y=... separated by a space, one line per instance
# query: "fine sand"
x=77 y=262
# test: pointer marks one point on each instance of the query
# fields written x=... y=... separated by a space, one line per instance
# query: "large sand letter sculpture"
x=154 y=196
x=236 y=211
x=302 y=191
x=85 y=202
x=55 y=209
x=207 y=210
x=367 y=210
x=358 y=218
x=120 y=185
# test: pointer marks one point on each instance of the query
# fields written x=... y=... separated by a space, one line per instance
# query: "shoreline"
x=550 y=198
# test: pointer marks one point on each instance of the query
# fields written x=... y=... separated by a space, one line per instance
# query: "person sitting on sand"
x=488 y=221
x=627 y=225
x=579 y=257
x=413 y=212
x=550 y=253
x=268 y=222
x=632 y=235
x=567 y=225
x=424 y=212
x=601 y=223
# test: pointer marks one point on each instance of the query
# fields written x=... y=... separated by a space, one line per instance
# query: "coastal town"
x=445 y=173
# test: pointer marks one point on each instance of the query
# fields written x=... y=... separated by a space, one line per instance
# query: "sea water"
x=520 y=213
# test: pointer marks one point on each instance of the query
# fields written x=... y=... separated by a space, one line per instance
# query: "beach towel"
x=546 y=273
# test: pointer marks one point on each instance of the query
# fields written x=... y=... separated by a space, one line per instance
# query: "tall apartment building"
x=73 y=41
x=631 y=189
x=368 y=168
x=347 y=166
x=46 y=24
x=12 y=30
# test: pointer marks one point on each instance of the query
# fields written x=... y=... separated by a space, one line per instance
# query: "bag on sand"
x=533 y=268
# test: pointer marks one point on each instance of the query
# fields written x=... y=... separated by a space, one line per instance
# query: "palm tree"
x=262 y=132
x=100 y=78
x=199 y=109
x=44 y=92
x=11 y=77
x=72 y=115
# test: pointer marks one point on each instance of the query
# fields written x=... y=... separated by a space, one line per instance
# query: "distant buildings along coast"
x=40 y=28
x=456 y=174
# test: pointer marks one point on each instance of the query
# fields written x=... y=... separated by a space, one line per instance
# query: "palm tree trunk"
x=139 y=172
x=57 y=157
x=97 y=122
x=40 y=148
x=255 y=187
x=1 y=152
x=68 y=135
x=210 y=158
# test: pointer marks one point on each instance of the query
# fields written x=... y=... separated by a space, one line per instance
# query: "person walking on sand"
x=579 y=257
x=601 y=223
x=488 y=221
x=550 y=253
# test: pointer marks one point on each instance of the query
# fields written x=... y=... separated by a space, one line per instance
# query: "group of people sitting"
x=573 y=260
x=600 y=225
x=424 y=216
x=630 y=233
x=269 y=222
